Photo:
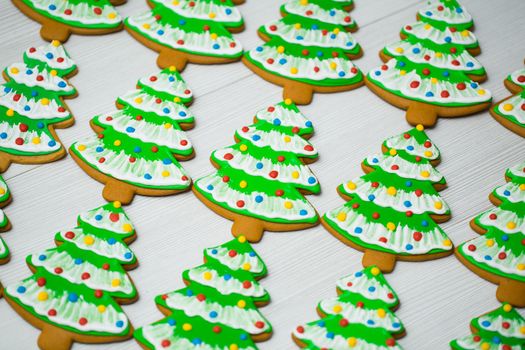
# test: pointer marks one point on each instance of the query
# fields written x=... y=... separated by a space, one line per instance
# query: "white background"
x=438 y=298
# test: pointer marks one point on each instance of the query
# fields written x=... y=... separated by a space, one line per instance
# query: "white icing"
x=276 y=140
x=245 y=162
x=495 y=324
x=239 y=261
x=193 y=42
x=295 y=34
x=122 y=226
x=400 y=240
x=517 y=111
x=140 y=100
x=81 y=12
x=68 y=313
x=118 y=166
x=503 y=220
x=285 y=117
x=22 y=74
x=201 y=9
x=450 y=16
x=395 y=80
x=271 y=207
x=224 y=286
x=53 y=55
x=518 y=170
x=412 y=147
x=167 y=83
x=34 y=142
x=3 y=247
x=469 y=343
x=369 y=288
x=518 y=75
x=100 y=278
x=334 y=16
x=33 y=108
x=423 y=30
x=511 y=192
x=305 y=66
x=407 y=170
x=418 y=205
x=4 y=190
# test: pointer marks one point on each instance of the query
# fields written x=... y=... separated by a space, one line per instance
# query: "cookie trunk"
x=384 y=261
x=53 y=338
x=511 y=292
x=421 y=113
x=252 y=229
x=299 y=93
x=4 y=162
x=53 y=31
x=169 y=58
x=118 y=191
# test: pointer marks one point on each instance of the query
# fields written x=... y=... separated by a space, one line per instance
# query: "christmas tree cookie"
x=61 y=18
x=500 y=329
x=5 y=225
x=392 y=212
x=498 y=254
x=361 y=317
x=261 y=180
x=431 y=72
x=182 y=31
x=218 y=308
x=138 y=146
x=32 y=106
x=511 y=111
x=308 y=50
x=76 y=288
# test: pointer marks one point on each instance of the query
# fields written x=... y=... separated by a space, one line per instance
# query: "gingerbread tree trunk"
x=218 y=308
x=5 y=225
x=500 y=329
x=362 y=315
x=511 y=111
x=32 y=106
x=261 y=180
x=183 y=31
x=498 y=255
x=308 y=50
x=392 y=212
x=76 y=288
x=431 y=73
x=137 y=147
x=59 y=19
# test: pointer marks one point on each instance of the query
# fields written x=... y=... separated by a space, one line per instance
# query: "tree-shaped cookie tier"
x=498 y=254
x=182 y=31
x=308 y=50
x=431 y=73
x=61 y=18
x=5 y=225
x=500 y=329
x=218 y=308
x=76 y=288
x=511 y=111
x=392 y=212
x=32 y=106
x=137 y=147
x=360 y=317
x=261 y=180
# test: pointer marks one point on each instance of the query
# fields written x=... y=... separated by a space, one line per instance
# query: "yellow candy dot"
x=481 y=92
x=447 y=242
x=288 y=101
x=187 y=327
x=465 y=33
x=485 y=346
x=351 y=185
x=287 y=139
x=2 y=190
x=234 y=347
x=333 y=65
x=489 y=242
x=117 y=204
x=44 y=101
x=101 y=308
x=352 y=342
x=241 y=304
x=375 y=271
x=42 y=296
x=167 y=125
x=243 y=184
x=297 y=25
x=15 y=70
x=428 y=154
x=341 y=216
x=337 y=308
x=212 y=15
x=207 y=275
x=425 y=173
x=511 y=225
x=420 y=127
x=89 y=240
x=247 y=266
x=177 y=100
x=304 y=2
x=172 y=69
x=55 y=43
x=81 y=148
x=392 y=152
x=288 y=205
x=10 y=113
x=433 y=80
x=391 y=191
x=112 y=15
x=438 y=205
x=427 y=26
x=213 y=36
x=138 y=100
x=522 y=187
x=508 y=107
x=522 y=330
x=280 y=49
x=402 y=72
x=117 y=143
x=391 y=226
x=146 y=26
x=165 y=173
x=36 y=140
x=53 y=72
x=439 y=54
x=381 y=313
x=399 y=50
x=241 y=239
x=127 y=228
x=336 y=31
x=293 y=70
x=175 y=2
x=115 y=282
x=507 y=308
x=243 y=148
x=521 y=267
x=295 y=174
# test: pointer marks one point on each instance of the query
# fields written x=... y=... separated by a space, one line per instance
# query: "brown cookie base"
x=512 y=87
x=250 y=227
x=504 y=121
x=299 y=93
x=424 y=113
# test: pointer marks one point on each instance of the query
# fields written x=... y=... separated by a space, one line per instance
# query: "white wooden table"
x=438 y=298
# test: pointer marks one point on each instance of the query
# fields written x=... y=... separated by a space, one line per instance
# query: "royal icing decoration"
x=218 y=307
x=4 y=221
x=261 y=176
x=140 y=143
x=74 y=285
x=392 y=208
x=500 y=329
x=500 y=251
x=31 y=102
x=511 y=111
x=361 y=317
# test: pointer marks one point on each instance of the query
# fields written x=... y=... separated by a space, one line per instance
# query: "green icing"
x=4 y=196
x=201 y=315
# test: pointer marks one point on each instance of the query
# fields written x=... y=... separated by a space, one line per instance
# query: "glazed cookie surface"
x=511 y=111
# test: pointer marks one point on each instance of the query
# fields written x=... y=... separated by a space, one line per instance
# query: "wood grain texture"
x=438 y=298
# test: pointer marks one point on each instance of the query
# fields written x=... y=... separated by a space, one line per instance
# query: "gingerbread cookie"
x=5 y=225
x=218 y=308
x=61 y=18
x=500 y=329
x=138 y=147
x=261 y=180
x=183 y=31
x=32 y=106
x=361 y=316
x=431 y=73
x=308 y=50
x=511 y=111
x=76 y=288
x=392 y=212
x=498 y=255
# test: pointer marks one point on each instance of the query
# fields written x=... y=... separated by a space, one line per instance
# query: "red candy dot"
x=102 y=160
x=232 y=253
x=23 y=127
x=414 y=84
x=360 y=304
x=505 y=325
x=394 y=167
x=383 y=239
x=270 y=61
x=271 y=109
x=300 y=329
x=52 y=312
x=98 y=293
x=164 y=296
x=349 y=284
x=308 y=148
x=68 y=12
x=245 y=129
x=471 y=247
x=493 y=216
x=259 y=324
x=406 y=136
x=390 y=342
x=521 y=78
x=19 y=141
x=83 y=321
x=280 y=158
x=240 y=203
x=70 y=235
x=58 y=270
x=32 y=49
x=316 y=69
x=41 y=281
x=228 y=156
x=461 y=86
x=374 y=184
x=16 y=97
x=445 y=94
x=355 y=205
x=343 y=322
x=295 y=129
x=97 y=10
x=279 y=193
x=273 y=28
x=426 y=71
x=201 y=297
x=180 y=42
x=455 y=62
x=273 y=174
x=427 y=144
x=246 y=284
x=418 y=192
x=114 y=217
x=225 y=178
x=216 y=329
x=85 y=276
x=132 y=159
x=353 y=70
x=440 y=8
x=502 y=256
x=187 y=92
x=165 y=343
x=376 y=215
x=347 y=19
x=105 y=266
x=476 y=338
x=417 y=236
x=453 y=50
x=305 y=52
x=153 y=78
x=390 y=296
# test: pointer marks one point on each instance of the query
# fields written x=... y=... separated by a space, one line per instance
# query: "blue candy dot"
x=147 y=176
x=72 y=297
x=52 y=143
x=182 y=22
x=330 y=335
x=210 y=187
x=166 y=110
x=299 y=38
x=227 y=277
x=277 y=121
x=446 y=73
x=429 y=94
x=166 y=161
x=505 y=237
x=371 y=289
x=98 y=217
x=358 y=274
x=160 y=32
x=506 y=193
x=396 y=325
x=348 y=44
x=62 y=84
x=409 y=247
x=371 y=197
x=370 y=322
x=282 y=61
x=27 y=108
x=496 y=340
x=244 y=336
x=171 y=322
x=377 y=73
x=488 y=257
x=469 y=64
x=256 y=137
x=216 y=46
x=333 y=36
x=416 y=50
x=213 y=314
x=29 y=72
x=259 y=165
x=214 y=251
x=7 y=89
x=119 y=324
x=171 y=79
x=252 y=254
x=332 y=13
x=112 y=241
x=401 y=64
x=308 y=124
x=42 y=257
x=486 y=323
x=311 y=180
x=196 y=341
x=424 y=223
x=258 y=199
x=408 y=184
x=410 y=148
x=315 y=27
x=99 y=149
x=52 y=7
x=128 y=255
x=448 y=39
x=303 y=212
x=228 y=11
x=34 y=93
x=130 y=129
x=78 y=261
x=473 y=85
x=428 y=13
x=321 y=323
x=182 y=114
x=459 y=10
x=358 y=230
x=189 y=293
x=407 y=204
x=320 y=54
x=341 y=74
x=375 y=160
x=259 y=49
x=3 y=135
x=137 y=149
x=21 y=289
